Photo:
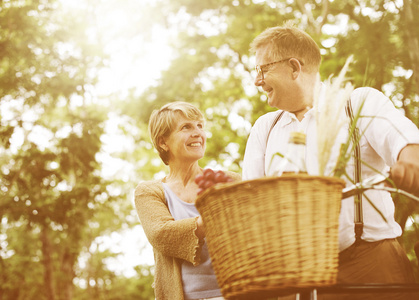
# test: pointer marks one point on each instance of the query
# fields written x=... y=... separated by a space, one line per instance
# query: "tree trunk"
x=48 y=269
x=2 y=276
x=66 y=282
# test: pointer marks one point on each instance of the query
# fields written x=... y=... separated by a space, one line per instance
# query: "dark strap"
x=358 y=215
x=278 y=116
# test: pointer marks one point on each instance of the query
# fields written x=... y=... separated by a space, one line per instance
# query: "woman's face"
x=187 y=141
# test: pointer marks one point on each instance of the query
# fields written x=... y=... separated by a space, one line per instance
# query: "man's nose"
x=258 y=80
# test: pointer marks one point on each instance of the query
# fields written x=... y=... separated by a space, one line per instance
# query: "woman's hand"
x=210 y=177
x=200 y=228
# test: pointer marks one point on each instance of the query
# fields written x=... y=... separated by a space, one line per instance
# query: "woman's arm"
x=172 y=238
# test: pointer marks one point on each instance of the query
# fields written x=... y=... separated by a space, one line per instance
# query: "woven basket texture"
x=274 y=234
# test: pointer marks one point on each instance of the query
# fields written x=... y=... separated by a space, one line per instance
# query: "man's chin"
x=272 y=103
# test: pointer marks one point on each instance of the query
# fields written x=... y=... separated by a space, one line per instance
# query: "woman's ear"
x=163 y=145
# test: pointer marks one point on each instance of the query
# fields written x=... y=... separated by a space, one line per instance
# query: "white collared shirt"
x=383 y=137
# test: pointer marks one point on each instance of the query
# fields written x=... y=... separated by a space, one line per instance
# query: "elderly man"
x=288 y=61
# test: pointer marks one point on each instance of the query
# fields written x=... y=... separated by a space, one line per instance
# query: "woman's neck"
x=183 y=173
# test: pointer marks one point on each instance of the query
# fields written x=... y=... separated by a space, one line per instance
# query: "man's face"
x=279 y=81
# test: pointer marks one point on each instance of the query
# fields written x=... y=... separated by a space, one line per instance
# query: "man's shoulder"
x=267 y=119
x=364 y=92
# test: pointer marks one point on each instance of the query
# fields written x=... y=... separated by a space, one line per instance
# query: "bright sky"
x=133 y=248
x=135 y=62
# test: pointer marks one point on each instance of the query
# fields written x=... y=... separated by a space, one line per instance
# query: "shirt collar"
x=290 y=117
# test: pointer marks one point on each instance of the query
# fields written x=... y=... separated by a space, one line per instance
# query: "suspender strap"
x=358 y=214
x=278 y=116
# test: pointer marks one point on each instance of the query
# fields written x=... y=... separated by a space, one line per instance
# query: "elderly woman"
x=167 y=211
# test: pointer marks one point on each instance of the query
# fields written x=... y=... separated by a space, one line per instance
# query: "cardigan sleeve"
x=169 y=237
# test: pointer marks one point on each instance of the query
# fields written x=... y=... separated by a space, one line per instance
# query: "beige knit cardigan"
x=172 y=241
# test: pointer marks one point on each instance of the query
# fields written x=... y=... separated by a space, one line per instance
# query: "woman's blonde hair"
x=163 y=121
x=289 y=41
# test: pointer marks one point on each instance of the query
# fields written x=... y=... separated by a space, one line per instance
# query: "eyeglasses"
x=259 y=69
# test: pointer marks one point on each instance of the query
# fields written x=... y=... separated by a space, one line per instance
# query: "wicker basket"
x=271 y=235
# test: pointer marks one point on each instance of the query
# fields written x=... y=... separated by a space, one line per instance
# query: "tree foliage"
x=54 y=199
x=54 y=202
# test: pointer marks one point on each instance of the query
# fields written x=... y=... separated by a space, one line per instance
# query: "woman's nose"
x=196 y=132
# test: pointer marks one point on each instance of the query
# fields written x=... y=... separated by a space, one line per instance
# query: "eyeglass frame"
x=259 y=68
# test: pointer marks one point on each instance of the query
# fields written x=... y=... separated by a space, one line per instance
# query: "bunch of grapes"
x=210 y=177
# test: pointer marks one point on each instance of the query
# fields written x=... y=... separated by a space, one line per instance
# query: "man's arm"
x=405 y=173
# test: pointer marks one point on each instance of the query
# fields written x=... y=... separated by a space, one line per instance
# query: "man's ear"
x=296 y=67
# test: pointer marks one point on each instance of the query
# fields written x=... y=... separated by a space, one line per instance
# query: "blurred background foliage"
x=71 y=155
